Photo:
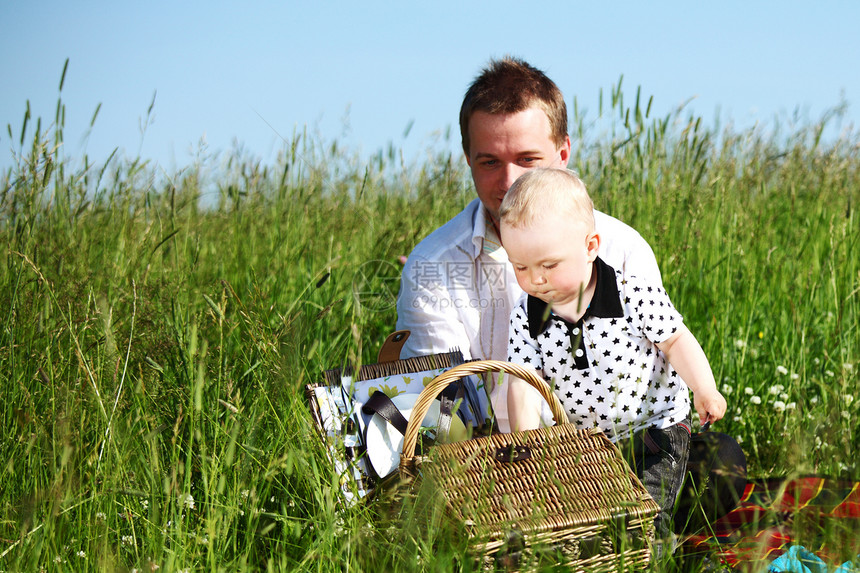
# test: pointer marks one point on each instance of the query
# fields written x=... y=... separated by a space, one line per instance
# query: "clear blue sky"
x=361 y=72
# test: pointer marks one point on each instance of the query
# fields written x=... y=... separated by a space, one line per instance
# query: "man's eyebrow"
x=481 y=154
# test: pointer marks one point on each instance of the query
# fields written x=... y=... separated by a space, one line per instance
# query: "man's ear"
x=592 y=245
x=564 y=152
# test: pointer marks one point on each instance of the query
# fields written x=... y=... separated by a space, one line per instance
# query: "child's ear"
x=592 y=245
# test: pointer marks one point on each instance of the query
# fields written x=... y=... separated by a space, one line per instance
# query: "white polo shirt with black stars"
x=606 y=369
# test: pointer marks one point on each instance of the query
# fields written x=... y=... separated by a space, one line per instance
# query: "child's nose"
x=538 y=278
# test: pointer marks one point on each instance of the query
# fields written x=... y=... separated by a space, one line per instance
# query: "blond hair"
x=511 y=85
x=542 y=191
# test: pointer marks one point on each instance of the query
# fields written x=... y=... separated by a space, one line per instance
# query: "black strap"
x=449 y=398
x=381 y=404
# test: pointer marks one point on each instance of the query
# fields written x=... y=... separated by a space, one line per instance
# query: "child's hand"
x=710 y=405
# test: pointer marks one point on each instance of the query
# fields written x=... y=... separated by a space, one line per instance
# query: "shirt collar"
x=485 y=238
x=606 y=302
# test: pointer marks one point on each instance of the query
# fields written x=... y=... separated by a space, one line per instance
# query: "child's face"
x=552 y=258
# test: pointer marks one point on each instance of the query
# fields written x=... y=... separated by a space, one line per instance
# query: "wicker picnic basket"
x=557 y=493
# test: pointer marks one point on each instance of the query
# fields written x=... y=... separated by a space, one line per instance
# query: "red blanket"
x=821 y=514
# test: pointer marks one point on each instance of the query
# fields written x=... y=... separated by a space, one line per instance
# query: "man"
x=457 y=288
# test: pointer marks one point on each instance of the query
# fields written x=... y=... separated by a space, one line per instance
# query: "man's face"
x=503 y=146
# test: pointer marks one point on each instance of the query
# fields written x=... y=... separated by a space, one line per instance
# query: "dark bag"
x=716 y=480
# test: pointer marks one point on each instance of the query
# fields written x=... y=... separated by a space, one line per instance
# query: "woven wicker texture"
x=560 y=487
x=404 y=366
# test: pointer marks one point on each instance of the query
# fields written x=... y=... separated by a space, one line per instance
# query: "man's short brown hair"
x=510 y=85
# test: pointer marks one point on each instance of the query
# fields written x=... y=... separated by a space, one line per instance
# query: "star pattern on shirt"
x=625 y=382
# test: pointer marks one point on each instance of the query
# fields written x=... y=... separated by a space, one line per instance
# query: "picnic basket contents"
x=337 y=406
x=559 y=492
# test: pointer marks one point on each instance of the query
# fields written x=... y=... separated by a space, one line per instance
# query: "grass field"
x=153 y=351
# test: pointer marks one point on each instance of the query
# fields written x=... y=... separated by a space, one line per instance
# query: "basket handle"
x=422 y=404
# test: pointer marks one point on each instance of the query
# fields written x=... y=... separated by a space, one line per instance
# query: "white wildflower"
x=749 y=391
x=828 y=373
x=101 y=516
x=127 y=539
x=779 y=406
x=740 y=343
x=795 y=376
x=791 y=406
x=81 y=554
x=755 y=400
x=781 y=370
x=58 y=559
x=848 y=366
x=189 y=501
x=846 y=414
x=776 y=388
x=849 y=399
x=728 y=389
x=245 y=493
x=813 y=400
x=816 y=361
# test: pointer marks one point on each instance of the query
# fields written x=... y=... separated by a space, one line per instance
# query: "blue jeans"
x=659 y=458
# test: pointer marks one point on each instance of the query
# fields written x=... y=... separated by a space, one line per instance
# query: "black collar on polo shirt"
x=606 y=302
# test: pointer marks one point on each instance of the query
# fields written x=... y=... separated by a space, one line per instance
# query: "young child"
x=611 y=345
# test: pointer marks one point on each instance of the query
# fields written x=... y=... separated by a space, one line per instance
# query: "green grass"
x=153 y=352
